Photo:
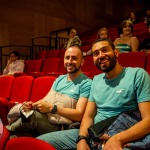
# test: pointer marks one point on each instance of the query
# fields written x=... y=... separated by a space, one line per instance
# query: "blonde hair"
x=73 y=30
x=100 y=30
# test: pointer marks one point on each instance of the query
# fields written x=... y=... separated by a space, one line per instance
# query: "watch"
x=80 y=137
x=54 y=110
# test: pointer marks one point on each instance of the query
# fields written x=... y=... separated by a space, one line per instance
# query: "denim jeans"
x=63 y=140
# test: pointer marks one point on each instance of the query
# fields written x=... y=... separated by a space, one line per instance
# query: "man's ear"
x=82 y=62
x=116 y=51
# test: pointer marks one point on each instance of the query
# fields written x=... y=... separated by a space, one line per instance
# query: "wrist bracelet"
x=80 y=137
x=54 y=110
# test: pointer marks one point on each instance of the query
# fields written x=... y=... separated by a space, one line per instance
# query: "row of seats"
x=45 y=54
x=42 y=67
x=48 y=54
x=55 y=66
x=17 y=90
x=20 y=143
x=24 y=88
x=131 y=59
x=140 y=30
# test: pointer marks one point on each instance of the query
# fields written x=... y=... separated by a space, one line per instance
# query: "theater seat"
x=6 y=83
x=21 y=90
x=42 y=54
x=4 y=136
x=132 y=59
x=53 y=54
x=148 y=63
x=27 y=143
x=41 y=87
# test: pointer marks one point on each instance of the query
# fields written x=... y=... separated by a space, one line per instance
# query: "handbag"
x=116 y=124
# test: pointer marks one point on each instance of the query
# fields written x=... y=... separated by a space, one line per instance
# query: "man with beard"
x=117 y=90
x=70 y=92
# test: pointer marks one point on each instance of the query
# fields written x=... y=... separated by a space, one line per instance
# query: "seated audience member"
x=14 y=64
x=64 y=104
x=147 y=17
x=145 y=45
x=133 y=18
x=73 y=40
x=118 y=89
x=126 y=42
x=102 y=33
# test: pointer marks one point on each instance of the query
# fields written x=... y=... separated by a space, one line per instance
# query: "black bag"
x=98 y=129
x=116 y=124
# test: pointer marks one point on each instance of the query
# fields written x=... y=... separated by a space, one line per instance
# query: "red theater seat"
x=148 y=63
x=4 y=136
x=27 y=143
x=41 y=87
x=21 y=90
x=52 y=54
x=132 y=59
x=42 y=54
x=6 y=83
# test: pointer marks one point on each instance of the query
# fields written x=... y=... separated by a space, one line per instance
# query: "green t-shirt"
x=123 y=93
x=80 y=87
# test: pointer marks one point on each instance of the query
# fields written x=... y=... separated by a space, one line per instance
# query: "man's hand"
x=9 y=62
x=82 y=145
x=113 y=144
x=27 y=106
x=43 y=106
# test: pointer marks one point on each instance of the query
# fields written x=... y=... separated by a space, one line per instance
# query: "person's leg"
x=42 y=124
x=61 y=140
x=37 y=122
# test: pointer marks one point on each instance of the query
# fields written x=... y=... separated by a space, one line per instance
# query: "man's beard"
x=76 y=69
x=112 y=63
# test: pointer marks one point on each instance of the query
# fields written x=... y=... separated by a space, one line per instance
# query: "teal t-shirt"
x=123 y=47
x=122 y=93
x=80 y=87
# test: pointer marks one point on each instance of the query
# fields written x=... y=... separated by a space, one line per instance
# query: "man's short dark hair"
x=16 y=53
x=105 y=39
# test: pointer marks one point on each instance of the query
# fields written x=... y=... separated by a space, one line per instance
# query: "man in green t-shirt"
x=65 y=102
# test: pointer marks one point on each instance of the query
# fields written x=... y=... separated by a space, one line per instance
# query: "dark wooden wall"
x=22 y=19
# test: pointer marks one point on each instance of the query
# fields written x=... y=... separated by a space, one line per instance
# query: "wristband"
x=54 y=110
x=80 y=137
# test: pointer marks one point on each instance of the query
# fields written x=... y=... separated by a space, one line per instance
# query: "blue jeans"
x=63 y=140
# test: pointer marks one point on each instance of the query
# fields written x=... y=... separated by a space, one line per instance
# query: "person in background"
x=118 y=89
x=133 y=18
x=102 y=33
x=70 y=94
x=147 y=17
x=14 y=64
x=145 y=44
x=126 y=42
x=73 y=40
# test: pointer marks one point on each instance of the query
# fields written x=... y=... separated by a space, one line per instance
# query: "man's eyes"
x=73 y=58
x=96 y=53
x=104 y=50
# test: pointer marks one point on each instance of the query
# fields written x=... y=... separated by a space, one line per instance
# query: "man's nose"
x=70 y=60
x=101 y=54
